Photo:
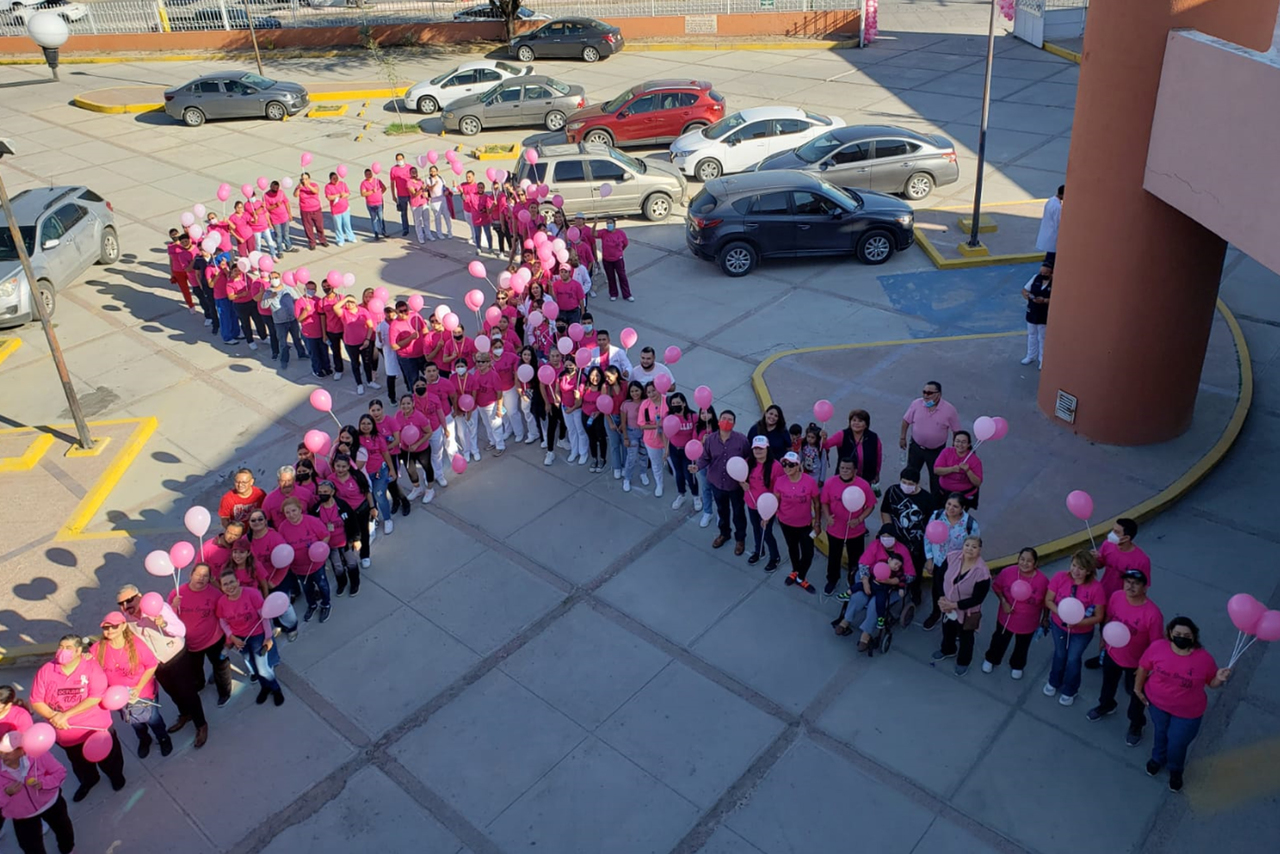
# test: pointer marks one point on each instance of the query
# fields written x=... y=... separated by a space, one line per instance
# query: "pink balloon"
x=1116 y=635
x=316 y=441
x=475 y=297
x=605 y=191
x=629 y=338
x=459 y=464
x=536 y=319
x=441 y=311
x=524 y=373
x=1071 y=610
x=491 y=174
x=349 y=279
x=605 y=404
x=583 y=359
x=380 y=293
x=936 y=532
x=334 y=278
x=375 y=167
x=242 y=264
x=766 y=505
x=318 y=552
x=672 y=355
x=466 y=403
x=181 y=553
x=547 y=374
x=409 y=435
x=187 y=219
x=376 y=306
x=246 y=190
x=321 y=400
x=274 y=605
x=1020 y=590
x=702 y=396
x=693 y=449
x=115 y=698
x=306 y=159
x=158 y=564
x=1245 y=612
x=341 y=170
x=152 y=604
x=853 y=499
x=565 y=346
x=984 y=427
x=415 y=303
x=451 y=155
x=573 y=233
x=302 y=275
x=38 y=740
x=1080 y=503
x=823 y=410
x=196 y=231
x=671 y=425
x=197 y=521
x=266 y=264
x=530 y=156
x=492 y=315
x=287 y=182
x=576 y=331
x=282 y=556
x=423 y=160
x=1002 y=428
x=662 y=383
x=524 y=215
x=737 y=469
x=450 y=322
x=199 y=210
x=524 y=274
x=1268 y=627
x=557 y=200
x=456 y=167
x=482 y=344
x=224 y=192
x=97 y=747
x=263 y=183
x=476 y=268
x=433 y=157
x=881 y=571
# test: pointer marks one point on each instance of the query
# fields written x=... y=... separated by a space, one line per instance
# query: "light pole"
x=253 y=35
x=37 y=302
x=974 y=243
x=48 y=30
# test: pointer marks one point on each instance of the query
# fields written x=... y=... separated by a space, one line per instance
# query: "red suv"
x=652 y=113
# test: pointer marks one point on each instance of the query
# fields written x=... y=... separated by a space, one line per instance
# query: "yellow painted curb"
x=1063 y=52
x=1153 y=506
x=73 y=528
x=7 y=346
x=943 y=263
x=29 y=654
x=99 y=446
x=28 y=459
x=114 y=109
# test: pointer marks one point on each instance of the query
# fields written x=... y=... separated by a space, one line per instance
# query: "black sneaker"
x=166 y=747
x=879 y=622
x=342 y=585
x=930 y=623
x=278 y=696
x=1097 y=713
x=355 y=589
x=1133 y=737
x=222 y=701
x=144 y=749
x=404 y=508
x=829 y=588
x=1153 y=768
x=117 y=785
x=324 y=613
x=1175 y=781
x=791 y=579
x=311 y=612
x=942 y=656
x=807 y=587
x=771 y=566
x=1092 y=663
x=83 y=792
x=753 y=558
x=263 y=693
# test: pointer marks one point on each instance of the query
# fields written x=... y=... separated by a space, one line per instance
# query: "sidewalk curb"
x=31 y=655
x=1153 y=506
x=86 y=102
x=1063 y=52
x=942 y=263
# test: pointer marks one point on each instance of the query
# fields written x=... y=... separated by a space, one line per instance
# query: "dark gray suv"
x=739 y=220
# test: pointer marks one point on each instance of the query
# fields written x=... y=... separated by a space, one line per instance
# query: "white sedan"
x=469 y=78
x=742 y=139
x=22 y=9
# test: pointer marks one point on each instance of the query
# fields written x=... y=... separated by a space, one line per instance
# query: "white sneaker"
x=626 y=486
x=373 y=385
x=617 y=474
x=549 y=458
x=705 y=521
x=428 y=496
x=359 y=389
x=208 y=322
x=564 y=445
x=1015 y=674
x=582 y=460
x=1026 y=361
x=678 y=503
x=414 y=493
x=364 y=563
x=337 y=377
x=1049 y=690
x=986 y=666
x=573 y=456
x=253 y=345
x=441 y=482
x=388 y=526
x=532 y=438
x=644 y=478
x=1066 y=699
x=657 y=491
x=475 y=455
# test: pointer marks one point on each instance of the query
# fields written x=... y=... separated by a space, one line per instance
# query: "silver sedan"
x=519 y=102
x=240 y=95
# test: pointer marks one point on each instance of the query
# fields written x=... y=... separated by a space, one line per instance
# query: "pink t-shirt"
x=261 y=548
x=681 y=437
x=1091 y=595
x=258 y=211
x=505 y=366
x=308 y=310
x=649 y=415
x=375 y=188
x=1144 y=622
x=242 y=224
x=1177 y=682
x=301 y=535
x=328 y=305
x=17 y=719
x=331 y=517
x=357 y=324
x=1025 y=617
x=487 y=386
x=842 y=526
x=876 y=553
x=958 y=481
x=452 y=350
x=242 y=616
x=612 y=244
x=590 y=397
x=333 y=192
x=568 y=295
x=795 y=500
x=929 y=426
x=349 y=490
x=755 y=483
x=271 y=505
x=1117 y=563
x=277 y=207
x=60 y=692
x=308 y=196
x=417 y=198
x=198 y=613
x=115 y=663
x=400 y=178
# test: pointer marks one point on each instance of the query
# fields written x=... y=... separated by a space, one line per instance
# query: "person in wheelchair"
x=878 y=594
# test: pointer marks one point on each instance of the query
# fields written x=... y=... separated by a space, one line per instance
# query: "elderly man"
x=165 y=635
x=287 y=478
x=241 y=499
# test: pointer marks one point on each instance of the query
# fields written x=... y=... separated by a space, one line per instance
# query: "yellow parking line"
x=28 y=459
x=7 y=346
x=73 y=528
x=1230 y=779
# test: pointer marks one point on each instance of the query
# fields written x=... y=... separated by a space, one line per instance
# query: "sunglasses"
x=109 y=627
x=790 y=465
x=124 y=603
x=928 y=393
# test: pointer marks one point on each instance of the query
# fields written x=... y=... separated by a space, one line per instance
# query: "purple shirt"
x=716 y=453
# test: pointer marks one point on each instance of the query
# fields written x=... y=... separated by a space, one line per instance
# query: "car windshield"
x=508 y=68
x=562 y=88
x=7 y=251
x=257 y=81
x=843 y=193
x=615 y=104
x=818 y=148
x=720 y=128
x=491 y=93
x=629 y=161
x=436 y=81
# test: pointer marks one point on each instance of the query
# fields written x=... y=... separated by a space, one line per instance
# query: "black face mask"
x=420 y=391
x=303 y=476
x=325 y=496
x=1181 y=642
x=676 y=407
x=457 y=338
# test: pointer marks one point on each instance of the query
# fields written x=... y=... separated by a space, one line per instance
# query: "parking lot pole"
x=73 y=402
x=982 y=130
x=253 y=36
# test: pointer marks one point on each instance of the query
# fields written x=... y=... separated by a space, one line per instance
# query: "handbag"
x=971 y=621
x=138 y=712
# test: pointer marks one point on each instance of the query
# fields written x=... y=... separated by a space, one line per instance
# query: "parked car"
x=529 y=100
x=568 y=37
x=739 y=220
x=234 y=96
x=469 y=78
x=24 y=9
x=578 y=171
x=741 y=140
x=212 y=19
x=65 y=231
x=651 y=113
x=489 y=12
x=878 y=157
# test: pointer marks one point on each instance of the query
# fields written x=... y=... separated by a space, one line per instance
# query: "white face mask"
x=497 y=351
x=462 y=372
x=887 y=542
x=1113 y=538
x=908 y=488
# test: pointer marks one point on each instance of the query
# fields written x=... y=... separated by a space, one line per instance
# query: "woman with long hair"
x=380 y=464
x=686 y=481
x=762 y=471
x=593 y=423
x=351 y=485
x=127 y=661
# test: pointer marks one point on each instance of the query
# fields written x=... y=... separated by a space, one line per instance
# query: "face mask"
x=1113 y=538
x=497 y=351
x=462 y=372
x=325 y=496
x=887 y=542
x=908 y=488
x=930 y=404
x=1181 y=642
x=420 y=391
x=726 y=425
x=64 y=656
x=587 y=327
x=609 y=227
x=275 y=283
x=677 y=407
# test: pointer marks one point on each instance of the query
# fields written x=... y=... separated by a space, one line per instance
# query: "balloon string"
x=335 y=419
x=1235 y=657
x=1092 y=543
x=1235 y=650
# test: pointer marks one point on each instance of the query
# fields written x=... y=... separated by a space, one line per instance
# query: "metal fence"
x=148 y=16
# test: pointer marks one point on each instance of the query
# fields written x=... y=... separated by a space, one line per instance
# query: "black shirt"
x=908 y=514
x=1038 y=312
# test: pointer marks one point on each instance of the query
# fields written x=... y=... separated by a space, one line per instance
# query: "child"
x=812 y=455
x=879 y=590
x=1036 y=293
x=797 y=438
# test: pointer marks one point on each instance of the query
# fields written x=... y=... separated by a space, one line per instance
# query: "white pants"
x=420 y=225
x=465 y=428
x=577 y=433
x=443 y=226
x=655 y=463
x=511 y=419
x=439 y=459
x=488 y=415
x=525 y=411
x=1035 y=341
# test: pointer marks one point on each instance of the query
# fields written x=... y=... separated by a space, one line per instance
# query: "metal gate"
x=1028 y=21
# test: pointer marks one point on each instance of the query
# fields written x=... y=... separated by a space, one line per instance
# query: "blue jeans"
x=1068 y=659
x=477 y=230
x=376 y=223
x=289 y=587
x=634 y=452
x=762 y=535
x=402 y=205
x=283 y=242
x=144 y=719
x=379 y=483
x=342 y=232
x=263 y=664
x=319 y=356
x=1172 y=738
x=617 y=459
x=228 y=323
x=286 y=329
x=704 y=489
x=316 y=588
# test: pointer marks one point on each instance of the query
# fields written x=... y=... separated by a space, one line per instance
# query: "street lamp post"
x=982 y=130
x=37 y=302
x=48 y=30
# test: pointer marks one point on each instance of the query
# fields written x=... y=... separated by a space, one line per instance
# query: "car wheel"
x=469 y=125
x=918 y=186
x=875 y=247
x=192 y=117
x=45 y=289
x=427 y=104
x=109 y=249
x=276 y=111
x=708 y=170
x=737 y=259
x=692 y=126
x=590 y=54
x=657 y=207
x=600 y=137
x=525 y=53
x=555 y=120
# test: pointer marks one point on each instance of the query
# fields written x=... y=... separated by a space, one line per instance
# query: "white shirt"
x=640 y=375
x=617 y=358
x=1047 y=239
x=583 y=277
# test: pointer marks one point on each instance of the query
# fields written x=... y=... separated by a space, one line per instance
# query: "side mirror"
x=824 y=165
x=838 y=213
x=627 y=176
x=50 y=243
x=622 y=114
x=731 y=142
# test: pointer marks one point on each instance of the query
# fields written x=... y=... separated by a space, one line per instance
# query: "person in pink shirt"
x=301 y=532
x=280 y=215
x=310 y=313
x=846 y=532
x=217 y=551
x=506 y=358
x=426 y=421
x=308 y=194
x=762 y=472
x=568 y=294
x=14 y=714
x=339 y=197
x=1118 y=555
x=1017 y=620
x=680 y=462
x=240 y=290
x=128 y=662
x=260 y=221
x=240 y=616
x=352 y=487
x=333 y=326
x=220 y=227
x=400 y=174
x=465 y=422
x=241 y=221
x=489 y=402
x=67 y=692
x=181 y=254
x=613 y=244
x=653 y=410
x=799 y=517
x=859 y=442
x=1070 y=641
x=469 y=190
x=482 y=217
x=457 y=345
x=1171 y=678
x=958 y=470
x=966 y=585
x=1131 y=608
x=196 y=603
x=418 y=198
x=372 y=190
x=380 y=467
x=287 y=486
x=31 y=797
x=931 y=420
x=593 y=421
x=358 y=326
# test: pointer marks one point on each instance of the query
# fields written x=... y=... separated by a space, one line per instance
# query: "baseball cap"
x=1135 y=575
x=760 y=442
x=115 y=618
x=790 y=457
